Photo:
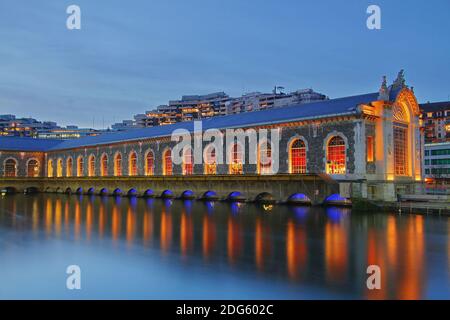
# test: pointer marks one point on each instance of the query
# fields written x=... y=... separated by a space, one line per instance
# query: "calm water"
x=137 y=248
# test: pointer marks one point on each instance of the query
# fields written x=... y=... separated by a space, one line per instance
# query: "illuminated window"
x=400 y=151
x=80 y=166
x=59 y=168
x=336 y=163
x=69 y=166
x=104 y=166
x=265 y=158
x=50 y=168
x=10 y=168
x=298 y=157
x=236 y=160
x=167 y=163
x=33 y=168
x=132 y=164
x=188 y=167
x=149 y=163
x=91 y=167
x=210 y=160
x=118 y=165
x=370 y=149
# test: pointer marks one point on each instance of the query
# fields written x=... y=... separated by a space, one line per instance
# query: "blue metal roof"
x=321 y=109
x=27 y=144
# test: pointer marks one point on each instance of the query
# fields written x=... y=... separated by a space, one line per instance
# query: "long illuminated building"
x=372 y=141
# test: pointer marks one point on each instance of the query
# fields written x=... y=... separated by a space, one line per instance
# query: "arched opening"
x=10 y=168
x=210 y=160
x=103 y=192
x=104 y=166
x=236 y=159
x=50 y=168
x=32 y=190
x=91 y=191
x=59 y=168
x=118 y=165
x=167 y=163
x=80 y=166
x=79 y=190
x=117 y=192
x=149 y=163
x=297 y=157
x=401 y=124
x=68 y=191
x=188 y=163
x=33 y=168
x=132 y=193
x=298 y=199
x=91 y=167
x=210 y=195
x=265 y=165
x=265 y=197
x=167 y=194
x=236 y=196
x=188 y=194
x=149 y=193
x=336 y=158
x=69 y=167
x=132 y=164
x=9 y=190
x=337 y=200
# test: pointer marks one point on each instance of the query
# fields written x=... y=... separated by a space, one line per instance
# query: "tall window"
x=236 y=160
x=80 y=166
x=132 y=164
x=336 y=163
x=370 y=149
x=69 y=167
x=104 y=166
x=188 y=166
x=167 y=163
x=149 y=163
x=91 y=167
x=10 y=168
x=265 y=158
x=210 y=160
x=59 y=168
x=400 y=151
x=401 y=121
x=297 y=156
x=50 y=168
x=118 y=165
x=33 y=168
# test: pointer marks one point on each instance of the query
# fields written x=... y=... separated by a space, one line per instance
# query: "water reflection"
x=327 y=248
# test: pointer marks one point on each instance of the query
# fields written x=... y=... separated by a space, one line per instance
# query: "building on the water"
x=371 y=144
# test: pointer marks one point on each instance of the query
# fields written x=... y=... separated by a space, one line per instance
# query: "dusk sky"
x=131 y=56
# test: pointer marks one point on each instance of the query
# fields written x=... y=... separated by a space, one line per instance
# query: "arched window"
x=91 y=167
x=400 y=141
x=69 y=167
x=59 y=168
x=210 y=160
x=167 y=163
x=118 y=165
x=236 y=160
x=33 y=168
x=188 y=163
x=132 y=164
x=149 y=163
x=50 y=168
x=10 y=168
x=80 y=166
x=104 y=166
x=336 y=162
x=297 y=157
x=265 y=158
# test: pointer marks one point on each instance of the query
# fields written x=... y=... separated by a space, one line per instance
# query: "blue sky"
x=132 y=56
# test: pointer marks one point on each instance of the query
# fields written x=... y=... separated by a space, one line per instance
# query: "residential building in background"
x=436 y=166
x=436 y=121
